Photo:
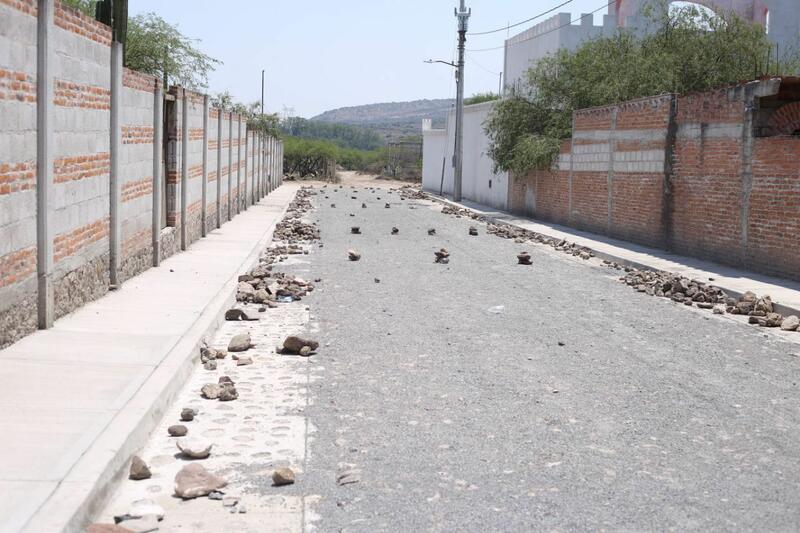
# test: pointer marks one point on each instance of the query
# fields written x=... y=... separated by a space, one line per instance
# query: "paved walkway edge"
x=75 y=502
x=782 y=308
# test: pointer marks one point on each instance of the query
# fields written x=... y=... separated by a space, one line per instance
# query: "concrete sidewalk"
x=785 y=293
x=79 y=399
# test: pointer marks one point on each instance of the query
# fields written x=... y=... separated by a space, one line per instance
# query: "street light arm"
x=431 y=61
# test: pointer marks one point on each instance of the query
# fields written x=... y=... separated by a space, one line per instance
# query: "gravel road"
x=487 y=396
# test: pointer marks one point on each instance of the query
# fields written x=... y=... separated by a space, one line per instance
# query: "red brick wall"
x=773 y=228
x=636 y=207
x=703 y=216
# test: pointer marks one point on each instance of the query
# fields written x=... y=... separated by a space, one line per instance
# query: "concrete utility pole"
x=462 y=15
x=262 y=91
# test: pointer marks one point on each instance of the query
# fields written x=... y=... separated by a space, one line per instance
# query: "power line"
x=545 y=33
x=504 y=28
x=473 y=62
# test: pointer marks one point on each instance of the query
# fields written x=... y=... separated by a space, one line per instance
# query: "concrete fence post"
x=44 y=165
x=255 y=186
x=158 y=133
x=203 y=208
x=230 y=161
x=184 y=166
x=246 y=167
x=219 y=168
x=239 y=165
x=114 y=240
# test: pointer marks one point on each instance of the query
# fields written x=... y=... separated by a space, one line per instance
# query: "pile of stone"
x=677 y=288
x=520 y=236
x=262 y=286
x=224 y=390
x=409 y=192
x=760 y=310
x=294 y=230
x=459 y=212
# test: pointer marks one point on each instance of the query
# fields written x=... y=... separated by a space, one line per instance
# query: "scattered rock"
x=194 y=481
x=238 y=314
x=225 y=380
x=261 y=296
x=210 y=391
x=178 y=430
x=244 y=360
x=139 y=469
x=377 y=280
x=282 y=476
x=194 y=449
x=442 y=256
x=305 y=351
x=790 y=323
x=240 y=343
x=244 y=291
x=228 y=393
x=524 y=258
x=294 y=345
x=772 y=320
x=473 y=231
x=363 y=205
x=188 y=414
x=395 y=231
x=355 y=230
x=210 y=365
x=719 y=309
x=385 y=206
x=432 y=231
x=216 y=495
x=353 y=255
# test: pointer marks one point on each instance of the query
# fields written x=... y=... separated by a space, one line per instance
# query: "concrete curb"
x=779 y=308
x=90 y=483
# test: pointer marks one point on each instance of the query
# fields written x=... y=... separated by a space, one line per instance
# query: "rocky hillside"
x=391 y=119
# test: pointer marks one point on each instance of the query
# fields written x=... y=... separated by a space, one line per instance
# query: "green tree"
x=686 y=49
x=156 y=47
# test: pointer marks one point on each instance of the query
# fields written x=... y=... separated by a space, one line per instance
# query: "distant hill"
x=392 y=119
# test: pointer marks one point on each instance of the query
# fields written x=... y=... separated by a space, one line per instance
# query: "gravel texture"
x=483 y=395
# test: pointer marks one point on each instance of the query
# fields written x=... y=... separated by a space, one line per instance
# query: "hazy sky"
x=321 y=55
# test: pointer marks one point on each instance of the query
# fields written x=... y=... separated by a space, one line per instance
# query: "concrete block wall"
x=212 y=213
x=194 y=165
x=136 y=168
x=81 y=158
x=17 y=168
x=70 y=220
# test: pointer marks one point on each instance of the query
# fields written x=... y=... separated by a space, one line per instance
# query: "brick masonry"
x=714 y=175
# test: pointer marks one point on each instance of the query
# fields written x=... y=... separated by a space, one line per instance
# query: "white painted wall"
x=480 y=184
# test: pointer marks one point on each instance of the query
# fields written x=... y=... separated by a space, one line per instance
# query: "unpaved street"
x=650 y=416
x=483 y=395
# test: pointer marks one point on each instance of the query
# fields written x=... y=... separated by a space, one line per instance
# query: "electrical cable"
x=505 y=28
